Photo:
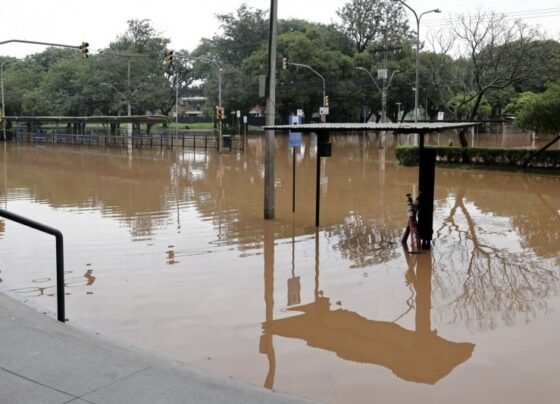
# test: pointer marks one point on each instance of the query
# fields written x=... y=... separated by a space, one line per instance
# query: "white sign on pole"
x=381 y=74
x=238 y=113
x=262 y=85
x=244 y=118
x=324 y=110
x=440 y=115
x=300 y=112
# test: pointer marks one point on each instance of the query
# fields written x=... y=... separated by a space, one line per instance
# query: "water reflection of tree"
x=365 y=242
x=541 y=232
x=494 y=282
x=133 y=189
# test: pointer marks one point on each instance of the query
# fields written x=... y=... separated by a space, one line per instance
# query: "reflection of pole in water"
x=419 y=274
x=316 y=292
x=294 y=287
x=423 y=286
x=266 y=342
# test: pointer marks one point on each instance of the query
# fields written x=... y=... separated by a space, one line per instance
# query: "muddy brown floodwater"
x=167 y=250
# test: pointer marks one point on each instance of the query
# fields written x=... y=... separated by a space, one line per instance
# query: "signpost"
x=294 y=140
x=244 y=130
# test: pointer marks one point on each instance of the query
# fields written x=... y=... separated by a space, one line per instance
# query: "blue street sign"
x=294 y=139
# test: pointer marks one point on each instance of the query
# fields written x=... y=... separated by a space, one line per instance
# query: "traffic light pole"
x=83 y=48
x=322 y=78
x=40 y=43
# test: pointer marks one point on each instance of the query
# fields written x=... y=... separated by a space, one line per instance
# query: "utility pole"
x=270 y=115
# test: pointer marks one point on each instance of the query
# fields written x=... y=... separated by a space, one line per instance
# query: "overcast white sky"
x=185 y=22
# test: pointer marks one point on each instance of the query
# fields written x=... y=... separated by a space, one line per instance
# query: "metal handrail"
x=59 y=255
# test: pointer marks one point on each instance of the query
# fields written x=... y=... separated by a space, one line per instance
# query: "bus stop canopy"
x=405 y=127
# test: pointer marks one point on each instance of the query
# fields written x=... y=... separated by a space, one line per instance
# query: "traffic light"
x=84 y=49
x=168 y=57
x=326 y=101
x=284 y=63
x=220 y=115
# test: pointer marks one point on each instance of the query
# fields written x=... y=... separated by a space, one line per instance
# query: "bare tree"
x=492 y=53
x=497 y=49
x=492 y=281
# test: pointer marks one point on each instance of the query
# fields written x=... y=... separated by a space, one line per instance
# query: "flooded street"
x=167 y=250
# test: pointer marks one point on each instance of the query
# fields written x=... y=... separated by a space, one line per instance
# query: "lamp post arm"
x=391 y=78
x=136 y=89
x=371 y=77
x=116 y=89
x=435 y=10
x=413 y=12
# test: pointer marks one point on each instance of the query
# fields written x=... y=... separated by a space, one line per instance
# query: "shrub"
x=482 y=156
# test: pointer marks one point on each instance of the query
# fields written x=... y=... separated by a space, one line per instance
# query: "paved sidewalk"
x=44 y=361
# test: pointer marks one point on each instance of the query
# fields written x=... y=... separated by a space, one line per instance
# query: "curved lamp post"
x=418 y=17
x=383 y=91
x=129 y=93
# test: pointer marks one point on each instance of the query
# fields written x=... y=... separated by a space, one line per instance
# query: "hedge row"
x=408 y=156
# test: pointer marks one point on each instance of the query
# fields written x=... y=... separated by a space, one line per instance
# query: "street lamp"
x=418 y=18
x=128 y=96
x=129 y=93
x=383 y=91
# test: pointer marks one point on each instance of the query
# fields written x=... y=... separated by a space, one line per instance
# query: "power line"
x=525 y=14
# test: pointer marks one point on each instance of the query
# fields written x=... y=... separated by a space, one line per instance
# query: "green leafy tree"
x=520 y=102
x=367 y=21
x=541 y=112
x=153 y=84
x=463 y=104
x=300 y=88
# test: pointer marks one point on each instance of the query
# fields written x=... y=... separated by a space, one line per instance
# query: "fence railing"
x=59 y=256
x=168 y=140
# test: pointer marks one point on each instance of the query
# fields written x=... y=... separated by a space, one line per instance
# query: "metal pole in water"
x=318 y=187
x=270 y=116
x=293 y=179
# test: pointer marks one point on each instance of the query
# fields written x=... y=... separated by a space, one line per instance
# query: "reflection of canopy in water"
x=414 y=356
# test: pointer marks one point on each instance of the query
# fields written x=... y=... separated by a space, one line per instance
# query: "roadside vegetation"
x=479 y=66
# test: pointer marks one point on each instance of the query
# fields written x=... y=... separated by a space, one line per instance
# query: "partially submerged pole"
x=270 y=115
